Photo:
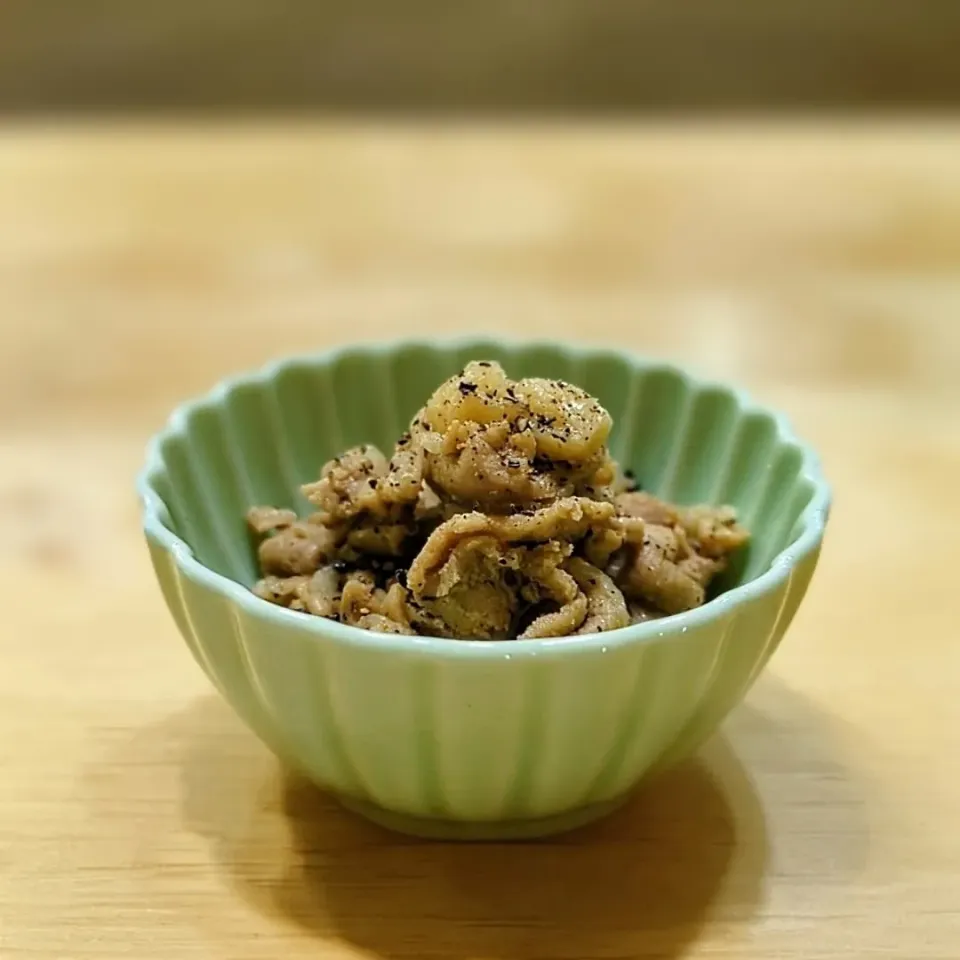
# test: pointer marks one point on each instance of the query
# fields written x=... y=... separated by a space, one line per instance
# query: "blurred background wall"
x=527 y=55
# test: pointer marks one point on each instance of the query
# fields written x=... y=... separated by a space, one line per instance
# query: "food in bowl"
x=499 y=515
x=476 y=740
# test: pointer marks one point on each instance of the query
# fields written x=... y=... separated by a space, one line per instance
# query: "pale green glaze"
x=474 y=739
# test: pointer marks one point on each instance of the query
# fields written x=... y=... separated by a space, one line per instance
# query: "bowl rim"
x=814 y=516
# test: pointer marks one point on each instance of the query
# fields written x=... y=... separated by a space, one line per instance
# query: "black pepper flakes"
x=466 y=388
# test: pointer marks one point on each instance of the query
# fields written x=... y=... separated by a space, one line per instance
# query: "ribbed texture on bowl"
x=454 y=731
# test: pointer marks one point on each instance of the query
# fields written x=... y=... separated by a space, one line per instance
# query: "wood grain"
x=817 y=266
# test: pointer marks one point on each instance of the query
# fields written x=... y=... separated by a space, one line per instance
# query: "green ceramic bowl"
x=472 y=739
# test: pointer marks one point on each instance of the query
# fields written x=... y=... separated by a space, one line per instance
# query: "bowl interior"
x=256 y=439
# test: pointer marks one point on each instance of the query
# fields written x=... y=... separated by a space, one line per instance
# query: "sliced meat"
x=491 y=441
x=262 y=520
x=282 y=591
x=558 y=623
x=713 y=531
x=378 y=623
x=647 y=508
x=642 y=613
x=569 y=519
x=320 y=595
x=298 y=549
x=349 y=484
x=567 y=423
x=467 y=595
x=403 y=482
x=358 y=597
x=606 y=607
x=499 y=513
x=660 y=574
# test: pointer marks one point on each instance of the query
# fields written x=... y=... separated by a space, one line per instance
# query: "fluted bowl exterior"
x=473 y=738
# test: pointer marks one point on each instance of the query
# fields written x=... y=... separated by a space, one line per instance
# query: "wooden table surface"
x=816 y=265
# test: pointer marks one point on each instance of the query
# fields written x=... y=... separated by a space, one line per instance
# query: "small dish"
x=474 y=739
